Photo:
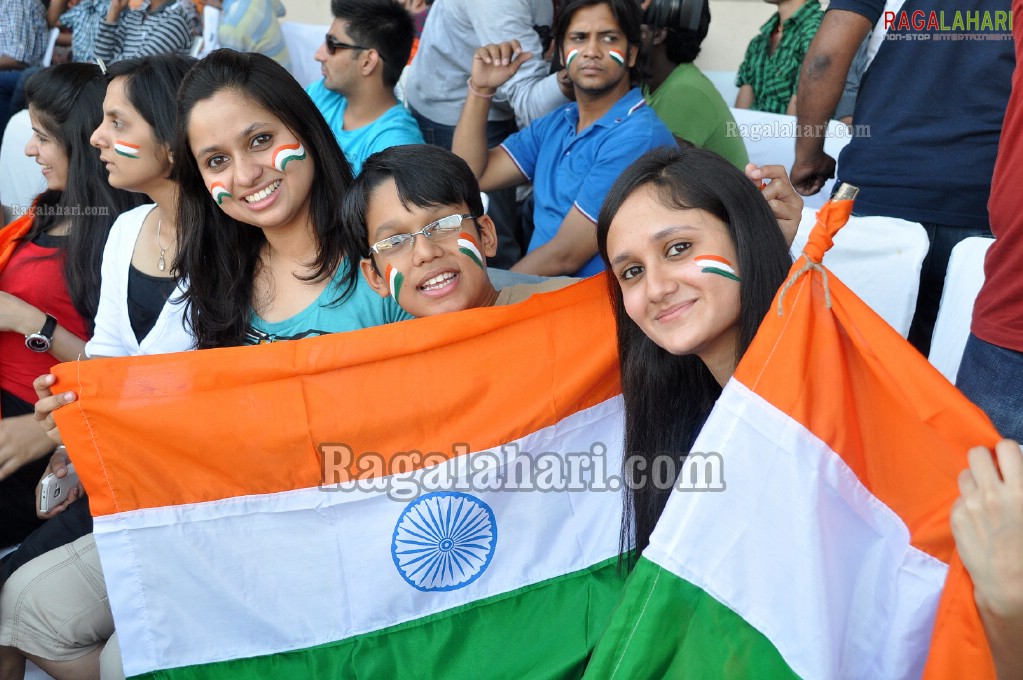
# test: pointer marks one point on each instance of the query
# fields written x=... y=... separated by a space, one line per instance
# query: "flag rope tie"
x=809 y=266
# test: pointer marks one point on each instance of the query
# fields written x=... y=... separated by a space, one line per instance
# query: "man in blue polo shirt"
x=928 y=117
x=574 y=154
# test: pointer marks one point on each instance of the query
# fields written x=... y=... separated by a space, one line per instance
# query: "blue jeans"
x=992 y=378
x=943 y=238
x=511 y=241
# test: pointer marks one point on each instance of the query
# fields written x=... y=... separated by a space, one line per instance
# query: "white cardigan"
x=114 y=336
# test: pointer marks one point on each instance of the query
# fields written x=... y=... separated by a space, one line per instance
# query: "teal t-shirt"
x=394 y=128
x=362 y=309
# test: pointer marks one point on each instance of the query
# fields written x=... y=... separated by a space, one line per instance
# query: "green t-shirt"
x=692 y=108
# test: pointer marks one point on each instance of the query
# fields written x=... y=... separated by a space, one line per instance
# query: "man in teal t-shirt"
x=362 y=57
x=678 y=92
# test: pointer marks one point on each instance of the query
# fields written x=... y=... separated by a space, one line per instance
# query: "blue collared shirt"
x=569 y=169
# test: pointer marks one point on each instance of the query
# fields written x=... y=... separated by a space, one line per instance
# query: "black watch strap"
x=49 y=326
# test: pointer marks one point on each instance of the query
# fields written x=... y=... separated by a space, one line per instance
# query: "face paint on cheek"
x=219 y=192
x=395 y=279
x=468 y=246
x=287 y=153
x=127 y=150
x=617 y=57
x=570 y=58
x=715 y=264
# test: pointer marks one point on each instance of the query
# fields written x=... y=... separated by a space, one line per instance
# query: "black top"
x=146 y=297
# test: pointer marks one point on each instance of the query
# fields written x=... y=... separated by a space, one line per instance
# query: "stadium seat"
x=770 y=139
x=879 y=258
x=20 y=178
x=963 y=280
x=303 y=40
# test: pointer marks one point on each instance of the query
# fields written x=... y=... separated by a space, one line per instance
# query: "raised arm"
x=492 y=66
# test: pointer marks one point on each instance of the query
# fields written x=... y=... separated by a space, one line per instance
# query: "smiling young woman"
x=264 y=249
x=694 y=257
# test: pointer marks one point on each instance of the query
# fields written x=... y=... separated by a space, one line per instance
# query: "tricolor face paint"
x=570 y=57
x=127 y=150
x=287 y=153
x=468 y=246
x=617 y=57
x=219 y=192
x=717 y=265
x=395 y=279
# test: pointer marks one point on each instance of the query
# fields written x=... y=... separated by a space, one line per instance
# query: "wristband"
x=472 y=88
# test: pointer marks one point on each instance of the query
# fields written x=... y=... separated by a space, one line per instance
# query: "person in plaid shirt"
x=769 y=73
x=23 y=33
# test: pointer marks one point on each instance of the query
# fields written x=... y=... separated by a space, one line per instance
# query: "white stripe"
x=853 y=601
x=585 y=214
x=262 y=574
x=516 y=162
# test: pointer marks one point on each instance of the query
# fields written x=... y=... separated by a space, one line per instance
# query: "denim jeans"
x=511 y=241
x=992 y=378
x=943 y=239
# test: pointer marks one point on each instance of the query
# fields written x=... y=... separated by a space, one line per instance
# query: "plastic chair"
x=880 y=259
x=51 y=43
x=303 y=40
x=963 y=280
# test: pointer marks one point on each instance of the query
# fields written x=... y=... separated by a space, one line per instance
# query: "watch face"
x=37 y=343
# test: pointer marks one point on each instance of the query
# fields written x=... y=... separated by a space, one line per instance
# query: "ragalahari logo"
x=942 y=25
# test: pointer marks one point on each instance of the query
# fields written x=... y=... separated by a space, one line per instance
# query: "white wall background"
x=733 y=23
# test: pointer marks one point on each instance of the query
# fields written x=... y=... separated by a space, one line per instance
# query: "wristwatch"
x=40 y=342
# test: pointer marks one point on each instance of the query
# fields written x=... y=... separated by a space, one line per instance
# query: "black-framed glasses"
x=442 y=229
x=333 y=45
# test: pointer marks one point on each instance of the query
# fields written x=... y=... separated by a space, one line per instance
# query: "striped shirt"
x=23 y=31
x=252 y=26
x=83 y=20
x=775 y=75
x=141 y=33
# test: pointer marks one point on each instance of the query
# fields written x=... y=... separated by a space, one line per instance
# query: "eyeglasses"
x=442 y=229
x=333 y=45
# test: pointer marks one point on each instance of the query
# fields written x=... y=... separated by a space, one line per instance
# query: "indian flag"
x=468 y=246
x=285 y=154
x=219 y=192
x=715 y=264
x=395 y=280
x=829 y=553
x=126 y=149
x=257 y=516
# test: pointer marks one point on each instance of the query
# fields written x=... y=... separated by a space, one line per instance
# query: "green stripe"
x=544 y=631
x=665 y=627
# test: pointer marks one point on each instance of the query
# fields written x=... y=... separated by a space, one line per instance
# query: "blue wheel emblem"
x=444 y=541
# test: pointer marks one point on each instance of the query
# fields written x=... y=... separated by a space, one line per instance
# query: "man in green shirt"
x=684 y=99
x=769 y=73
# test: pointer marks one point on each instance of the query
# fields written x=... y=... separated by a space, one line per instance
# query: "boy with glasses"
x=420 y=213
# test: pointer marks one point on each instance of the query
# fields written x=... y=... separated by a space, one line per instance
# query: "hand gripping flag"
x=254 y=509
x=828 y=554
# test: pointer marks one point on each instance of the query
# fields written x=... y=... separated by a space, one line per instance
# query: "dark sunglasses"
x=333 y=45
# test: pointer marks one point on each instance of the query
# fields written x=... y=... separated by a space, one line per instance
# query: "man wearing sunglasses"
x=361 y=58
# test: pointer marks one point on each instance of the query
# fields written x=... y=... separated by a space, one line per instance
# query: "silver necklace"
x=161 y=264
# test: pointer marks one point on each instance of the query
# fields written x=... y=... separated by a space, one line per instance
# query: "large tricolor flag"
x=828 y=553
x=231 y=550
x=11 y=236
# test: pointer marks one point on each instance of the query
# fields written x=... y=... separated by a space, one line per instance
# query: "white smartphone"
x=54 y=491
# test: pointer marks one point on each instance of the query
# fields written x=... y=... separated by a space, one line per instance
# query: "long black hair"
x=67 y=101
x=218 y=255
x=668 y=397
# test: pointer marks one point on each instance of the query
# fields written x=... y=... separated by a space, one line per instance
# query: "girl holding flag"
x=694 y=257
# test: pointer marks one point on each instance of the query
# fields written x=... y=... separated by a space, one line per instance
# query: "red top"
x=36 y=275
x=998 y=312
